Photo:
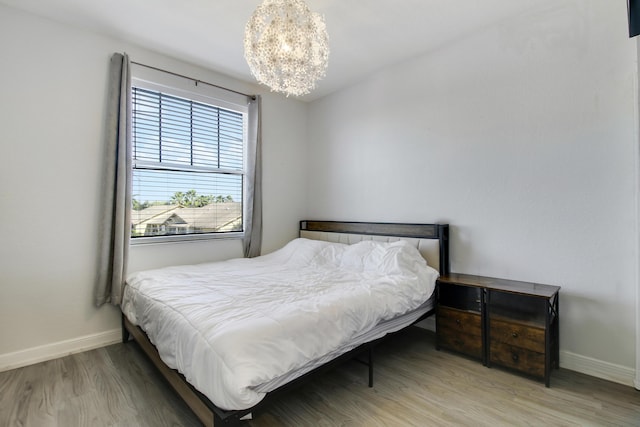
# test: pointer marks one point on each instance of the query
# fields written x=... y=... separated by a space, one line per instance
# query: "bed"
x=325 y=297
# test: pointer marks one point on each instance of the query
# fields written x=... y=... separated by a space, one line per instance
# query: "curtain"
x=252 y=242
x=114 y=227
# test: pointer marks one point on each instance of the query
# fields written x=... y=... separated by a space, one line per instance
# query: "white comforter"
x=231 y=326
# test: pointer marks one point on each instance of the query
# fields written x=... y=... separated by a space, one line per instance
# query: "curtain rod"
x=253 y=97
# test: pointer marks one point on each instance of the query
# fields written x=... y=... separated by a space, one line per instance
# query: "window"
x=188 y=163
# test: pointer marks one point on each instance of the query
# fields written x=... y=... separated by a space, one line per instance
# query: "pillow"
x=358 y=256
x=383 y=258
x=397 y=258
x=305 y=252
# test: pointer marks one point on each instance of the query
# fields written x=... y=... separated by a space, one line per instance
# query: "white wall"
x=521 y=136
x=52 y=98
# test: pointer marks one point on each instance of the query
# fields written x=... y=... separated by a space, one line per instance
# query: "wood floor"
x=415 y=385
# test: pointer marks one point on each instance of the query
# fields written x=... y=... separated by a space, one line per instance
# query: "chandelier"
x=286 y=46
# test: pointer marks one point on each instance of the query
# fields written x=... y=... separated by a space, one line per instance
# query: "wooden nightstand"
x=504 y=322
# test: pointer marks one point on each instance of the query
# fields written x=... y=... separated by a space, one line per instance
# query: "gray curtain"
x=252 y=242
x=115 y=224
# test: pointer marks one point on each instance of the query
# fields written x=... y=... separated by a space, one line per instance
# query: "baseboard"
x=55 y=350
x=598 y=368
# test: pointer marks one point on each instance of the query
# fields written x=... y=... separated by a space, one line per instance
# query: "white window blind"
x=188 y=166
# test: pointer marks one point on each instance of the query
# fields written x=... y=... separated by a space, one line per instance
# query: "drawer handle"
x=457 y=321
x=515 y=357
x=514 y=334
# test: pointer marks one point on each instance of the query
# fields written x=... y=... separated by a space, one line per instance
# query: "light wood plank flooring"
x=415 y=385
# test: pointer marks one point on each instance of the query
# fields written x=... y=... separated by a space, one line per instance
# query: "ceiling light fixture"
x=286 y=46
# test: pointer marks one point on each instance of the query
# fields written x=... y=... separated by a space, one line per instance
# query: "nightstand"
x=503 y=322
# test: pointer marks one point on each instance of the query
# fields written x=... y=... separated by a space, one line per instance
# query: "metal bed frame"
x=212 y=416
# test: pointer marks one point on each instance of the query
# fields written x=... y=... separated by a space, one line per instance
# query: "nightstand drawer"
x=460 y=342
x=459 y=330
x=459 y=320
x=518 y=358
x=516 y=334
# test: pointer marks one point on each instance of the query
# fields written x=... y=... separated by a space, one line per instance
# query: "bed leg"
x=371 y=366
x=125 y=332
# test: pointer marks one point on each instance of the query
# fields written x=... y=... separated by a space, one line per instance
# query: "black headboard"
x=418 y=231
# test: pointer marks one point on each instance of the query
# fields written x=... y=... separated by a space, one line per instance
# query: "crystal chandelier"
x=286 y=46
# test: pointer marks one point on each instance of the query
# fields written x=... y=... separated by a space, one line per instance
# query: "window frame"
x=174 y=85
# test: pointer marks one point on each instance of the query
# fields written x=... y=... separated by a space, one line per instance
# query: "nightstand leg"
x=485 y=300
x=556 y=330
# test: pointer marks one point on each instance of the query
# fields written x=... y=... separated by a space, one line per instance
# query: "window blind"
x=188 y=165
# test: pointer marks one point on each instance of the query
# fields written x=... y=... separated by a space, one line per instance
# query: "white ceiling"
x=365 y=35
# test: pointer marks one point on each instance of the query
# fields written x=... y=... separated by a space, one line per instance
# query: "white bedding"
x=231 y=327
